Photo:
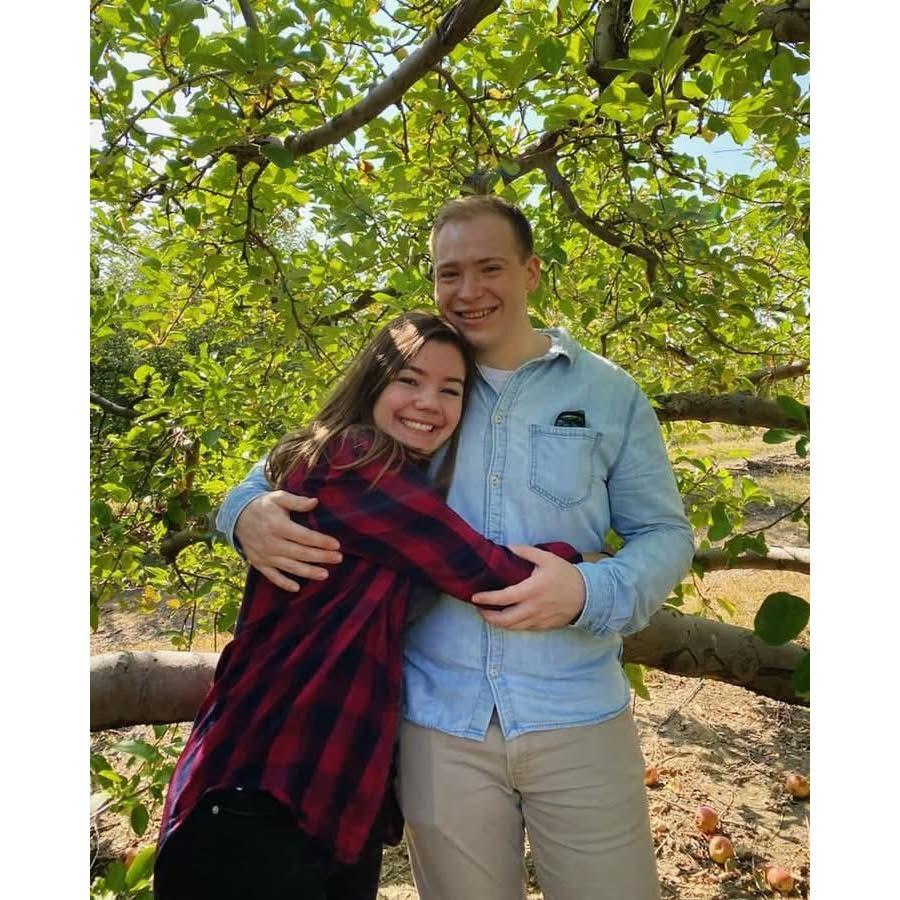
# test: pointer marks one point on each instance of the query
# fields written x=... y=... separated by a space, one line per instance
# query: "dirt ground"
x=712 y=743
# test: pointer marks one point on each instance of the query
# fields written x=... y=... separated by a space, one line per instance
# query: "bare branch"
x=454 y=27
x=181 y=540
x=124 y=411
x=779 y=373
x=249 y=15
x=779 y=559
x=704 y=648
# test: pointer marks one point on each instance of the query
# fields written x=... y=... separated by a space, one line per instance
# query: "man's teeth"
x=417 y=426
x=475 y=314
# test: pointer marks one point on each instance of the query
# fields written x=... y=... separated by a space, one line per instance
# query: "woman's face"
x=423 y=404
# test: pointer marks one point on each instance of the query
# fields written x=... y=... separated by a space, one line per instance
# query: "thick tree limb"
x=157 y=687
x=124 y=411
x=730 y=409
x=148 y=687
x=780 y=559
x=454 y=27
x=172 y=545
x=789 y=23
x=704 y=648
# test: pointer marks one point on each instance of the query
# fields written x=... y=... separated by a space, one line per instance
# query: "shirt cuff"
x=597 y=608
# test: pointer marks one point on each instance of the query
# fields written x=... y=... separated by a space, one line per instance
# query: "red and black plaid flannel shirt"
x=305 y=700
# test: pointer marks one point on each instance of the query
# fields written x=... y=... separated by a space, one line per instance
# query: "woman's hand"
x=273 y=543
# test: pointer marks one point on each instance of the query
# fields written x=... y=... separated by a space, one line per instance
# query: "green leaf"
x=187 y=40
x=183 y=11
x=203 y=146
x=794 y=408
x=192 y=216
x=800 y=678
x=721 y=524
x=281 y=156
x=786 y=151
x=550 y=53
x=141 y=749
x=802 y=446
x=776 y=436
x=139 y=819
x=781 y=69
x=639 y=10
x=115 y=876
x=738 y=130
x=649 y=44
x=781 y=618
x=141 y=866
x=635 y=675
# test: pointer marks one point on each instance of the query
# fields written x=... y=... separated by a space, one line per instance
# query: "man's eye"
x=447 y=276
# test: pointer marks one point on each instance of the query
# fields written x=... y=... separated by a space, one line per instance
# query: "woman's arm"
x=400 y=521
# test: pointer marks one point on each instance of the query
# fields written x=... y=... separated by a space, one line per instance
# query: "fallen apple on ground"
x=706 y=819
x=720 y=849
x=779 y=879
x=797 y=786
x=651 y=776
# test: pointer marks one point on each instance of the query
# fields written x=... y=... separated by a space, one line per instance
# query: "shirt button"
x=215 y=810
x=493 y=671
x=498 y=419
x=495 y=479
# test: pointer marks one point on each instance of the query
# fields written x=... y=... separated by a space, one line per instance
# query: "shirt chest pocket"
x=564 y=463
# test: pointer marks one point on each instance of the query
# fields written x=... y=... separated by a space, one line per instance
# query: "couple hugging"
x=453 y=648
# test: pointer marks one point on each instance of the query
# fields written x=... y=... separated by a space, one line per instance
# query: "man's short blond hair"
x=466 y=208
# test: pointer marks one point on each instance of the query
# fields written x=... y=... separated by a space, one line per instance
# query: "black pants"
x=243 y=845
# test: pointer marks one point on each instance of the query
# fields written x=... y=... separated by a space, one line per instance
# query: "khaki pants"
x=579 y=792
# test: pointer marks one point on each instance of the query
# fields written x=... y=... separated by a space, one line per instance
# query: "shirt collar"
x=561 y=344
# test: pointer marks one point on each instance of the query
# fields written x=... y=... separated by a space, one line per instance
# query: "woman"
x=283 y=789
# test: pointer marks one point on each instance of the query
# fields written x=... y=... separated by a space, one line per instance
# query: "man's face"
x=481 y=283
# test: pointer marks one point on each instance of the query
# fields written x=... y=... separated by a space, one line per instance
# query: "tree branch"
x=779 y=373
x=249 y=15
x=705 y=648
x=454 y=27
x=779 y=559
x=124 y=411
x=607 y=235
x=730 y=409
x=158 y=687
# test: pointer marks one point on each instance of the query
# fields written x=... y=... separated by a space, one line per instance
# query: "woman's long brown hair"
x=352 y=402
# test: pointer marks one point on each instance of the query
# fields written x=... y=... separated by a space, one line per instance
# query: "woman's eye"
x=406 y=379
x=453 y=392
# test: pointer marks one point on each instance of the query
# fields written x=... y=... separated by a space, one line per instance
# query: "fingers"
x=292 y=566
x=293 y=502
x=505 y=597
x=313 y=541
x=278 y=579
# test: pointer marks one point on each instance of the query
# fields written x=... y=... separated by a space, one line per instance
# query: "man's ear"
x=533 y=267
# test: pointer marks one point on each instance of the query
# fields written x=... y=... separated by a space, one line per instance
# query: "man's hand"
x=551 y=597
x=272 y=541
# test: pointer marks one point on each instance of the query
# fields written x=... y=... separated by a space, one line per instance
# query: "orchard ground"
x=712 y=743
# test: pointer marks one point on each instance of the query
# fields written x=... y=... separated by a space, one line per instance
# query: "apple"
x=706 y=819
x=797 y=786
x=720 y=849
x=651 y=776
x=779 y=879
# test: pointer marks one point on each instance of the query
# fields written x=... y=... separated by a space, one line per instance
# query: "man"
x=518 y=717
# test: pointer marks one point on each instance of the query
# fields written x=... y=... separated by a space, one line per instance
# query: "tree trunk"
x=157 y=687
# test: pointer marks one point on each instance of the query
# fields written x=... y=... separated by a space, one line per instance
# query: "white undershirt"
x=496 y=378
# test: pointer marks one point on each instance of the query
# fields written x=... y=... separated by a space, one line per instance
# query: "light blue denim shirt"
x=519 y=479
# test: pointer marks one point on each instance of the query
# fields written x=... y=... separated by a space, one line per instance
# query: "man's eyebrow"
x=446 y=264
x=419 y=371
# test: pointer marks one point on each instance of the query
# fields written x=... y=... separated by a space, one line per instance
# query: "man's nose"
x=469 y=285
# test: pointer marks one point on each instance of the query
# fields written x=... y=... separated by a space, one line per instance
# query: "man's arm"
x=257 y=522
x=622 y=593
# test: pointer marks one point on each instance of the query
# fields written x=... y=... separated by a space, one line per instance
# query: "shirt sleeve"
x=253 y=486
x=398 y=520
x=646 y=510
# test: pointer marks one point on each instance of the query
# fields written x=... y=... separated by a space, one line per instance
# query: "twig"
x=682 y=704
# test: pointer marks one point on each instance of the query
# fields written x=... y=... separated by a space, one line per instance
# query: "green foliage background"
x=233 y=278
